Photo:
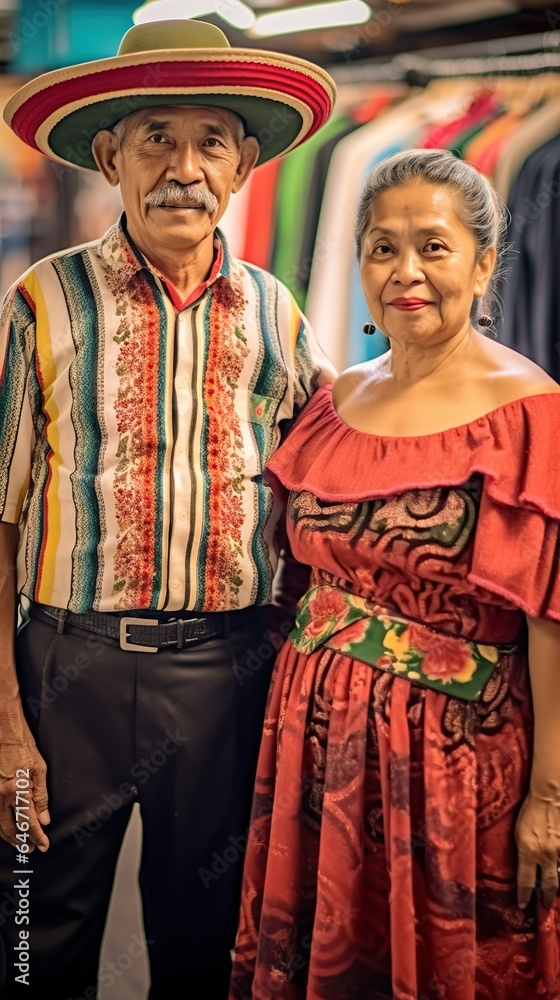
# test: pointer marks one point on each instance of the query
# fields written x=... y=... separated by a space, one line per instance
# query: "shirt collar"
x=177 y=299
x=126 y=260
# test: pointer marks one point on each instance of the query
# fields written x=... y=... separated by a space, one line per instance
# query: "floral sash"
x=332 y=617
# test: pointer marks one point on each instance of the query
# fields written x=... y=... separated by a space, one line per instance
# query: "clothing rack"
x=512 y=45
x=525 y=55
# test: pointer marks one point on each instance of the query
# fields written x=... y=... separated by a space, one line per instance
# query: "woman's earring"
x=488 y=324
x=369 y=328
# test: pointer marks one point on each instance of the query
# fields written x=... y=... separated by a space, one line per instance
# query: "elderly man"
x=146 y=379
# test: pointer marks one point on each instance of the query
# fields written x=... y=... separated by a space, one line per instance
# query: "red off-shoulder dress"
x=381 y=859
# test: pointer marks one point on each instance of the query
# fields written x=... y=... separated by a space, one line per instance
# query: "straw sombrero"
x=282 y=100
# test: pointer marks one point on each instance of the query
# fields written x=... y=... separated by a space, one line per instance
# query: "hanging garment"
x=540 y=126
x=484 y=149
x=259 y=232
x=314 y=201
x=530 y=289
x=293 y=183
x=233 y=223
x=483 y=107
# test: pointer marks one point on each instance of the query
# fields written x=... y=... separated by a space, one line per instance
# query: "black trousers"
x=177 y=731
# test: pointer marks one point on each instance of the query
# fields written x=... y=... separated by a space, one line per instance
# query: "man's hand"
x=18 y=751
x=17 y=746
x=537 y=835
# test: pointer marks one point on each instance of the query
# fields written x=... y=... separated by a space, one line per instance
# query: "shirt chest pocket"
x=257 y=423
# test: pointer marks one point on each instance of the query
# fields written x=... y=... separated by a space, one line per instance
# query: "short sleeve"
x=517 y=542
x=17 y=435
x=312 y=367
x=305 y=361
x=517 y=552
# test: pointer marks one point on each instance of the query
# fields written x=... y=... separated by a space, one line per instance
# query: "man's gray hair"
x=479 y=208
x=119 y=129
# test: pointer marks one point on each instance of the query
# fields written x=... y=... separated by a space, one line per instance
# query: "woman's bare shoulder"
x=515 y=376
x=354 y=380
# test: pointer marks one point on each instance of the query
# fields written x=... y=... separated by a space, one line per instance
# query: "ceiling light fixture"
x=233 y=12
x=462 y=12
x=334 y=14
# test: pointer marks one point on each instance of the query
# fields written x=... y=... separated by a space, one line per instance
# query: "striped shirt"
x=134 y=437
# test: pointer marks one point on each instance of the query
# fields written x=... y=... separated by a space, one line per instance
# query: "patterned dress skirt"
x=382 y=860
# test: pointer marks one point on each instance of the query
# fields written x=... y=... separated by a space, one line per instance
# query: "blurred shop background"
x=481 y=77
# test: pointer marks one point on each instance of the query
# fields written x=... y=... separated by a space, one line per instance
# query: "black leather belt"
x=143 y=635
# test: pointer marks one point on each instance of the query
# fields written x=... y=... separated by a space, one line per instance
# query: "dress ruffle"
x=516 y=448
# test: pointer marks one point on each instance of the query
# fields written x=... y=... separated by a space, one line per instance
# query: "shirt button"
x=175 y=584
x=183 y=515
x=180 y=449
x=182 y=385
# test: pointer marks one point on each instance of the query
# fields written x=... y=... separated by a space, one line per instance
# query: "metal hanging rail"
x=526 y=54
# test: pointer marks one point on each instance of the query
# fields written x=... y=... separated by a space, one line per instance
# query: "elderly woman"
x=406 y=820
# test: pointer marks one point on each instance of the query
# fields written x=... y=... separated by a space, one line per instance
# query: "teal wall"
x=49 y=34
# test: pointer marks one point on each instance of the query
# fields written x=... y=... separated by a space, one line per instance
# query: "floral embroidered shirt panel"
x=134 y=437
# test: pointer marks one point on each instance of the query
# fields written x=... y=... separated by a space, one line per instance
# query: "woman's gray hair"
x=479 y=208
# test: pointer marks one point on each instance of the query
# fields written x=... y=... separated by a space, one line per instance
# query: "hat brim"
x=283 y=100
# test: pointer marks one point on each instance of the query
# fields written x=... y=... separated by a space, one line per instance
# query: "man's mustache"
x=188 y=196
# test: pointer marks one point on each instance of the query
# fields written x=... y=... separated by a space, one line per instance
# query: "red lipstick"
x=409 y=304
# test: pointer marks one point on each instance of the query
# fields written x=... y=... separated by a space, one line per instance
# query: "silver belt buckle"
x=123 y=634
